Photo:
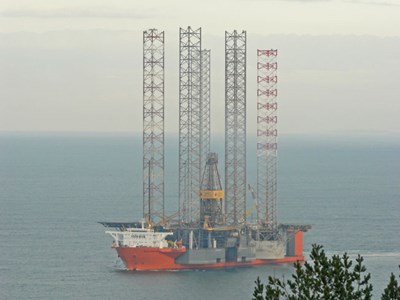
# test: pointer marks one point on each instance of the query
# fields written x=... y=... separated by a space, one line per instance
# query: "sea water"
x=54 y=188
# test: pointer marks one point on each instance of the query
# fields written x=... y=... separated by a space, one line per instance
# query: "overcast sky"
x=77 y=65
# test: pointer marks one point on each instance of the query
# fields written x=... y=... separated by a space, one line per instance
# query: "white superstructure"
x=139 y=237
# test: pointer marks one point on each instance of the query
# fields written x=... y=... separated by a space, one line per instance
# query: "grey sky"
x=76 y=66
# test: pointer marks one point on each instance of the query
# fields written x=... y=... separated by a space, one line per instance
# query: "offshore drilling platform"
x=210 y=228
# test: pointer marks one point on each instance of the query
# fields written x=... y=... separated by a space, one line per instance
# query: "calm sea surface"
x=54 y=190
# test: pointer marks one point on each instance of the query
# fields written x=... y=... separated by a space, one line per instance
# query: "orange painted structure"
x=154 y=258
x=150 y=259
x=298 y=243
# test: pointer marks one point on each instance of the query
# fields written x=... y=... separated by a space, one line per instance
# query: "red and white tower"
x=267 y=133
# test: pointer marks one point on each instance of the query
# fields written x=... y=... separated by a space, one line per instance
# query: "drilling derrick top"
x=211 y=195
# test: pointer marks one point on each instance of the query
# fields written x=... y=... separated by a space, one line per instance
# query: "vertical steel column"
x=267 y=137
x=189 y=123
x=153 y=125
x=235 y=126
x=205 y=107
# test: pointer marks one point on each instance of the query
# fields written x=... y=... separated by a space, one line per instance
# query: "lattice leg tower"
x=153 y=125
x=205 y=107
x=267 y=137
x=235 y=126
x=189 y=123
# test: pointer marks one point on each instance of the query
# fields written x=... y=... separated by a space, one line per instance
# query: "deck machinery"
x=212 y=240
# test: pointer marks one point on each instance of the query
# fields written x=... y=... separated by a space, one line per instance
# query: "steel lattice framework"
x=267 y=137
x=235 y=126
x=153 y=125
x=205 y=107
x=211 y=194
x=189 y=123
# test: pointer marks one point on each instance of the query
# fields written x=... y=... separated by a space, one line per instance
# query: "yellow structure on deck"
x=212 y=194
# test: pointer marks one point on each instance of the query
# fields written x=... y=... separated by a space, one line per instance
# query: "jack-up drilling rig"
x=211 y=229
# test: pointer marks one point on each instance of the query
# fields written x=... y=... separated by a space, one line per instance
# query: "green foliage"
x=392 y=291
x=324 y=278
x=258 y=290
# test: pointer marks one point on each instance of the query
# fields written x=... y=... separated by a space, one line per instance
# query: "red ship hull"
x=146 y=258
